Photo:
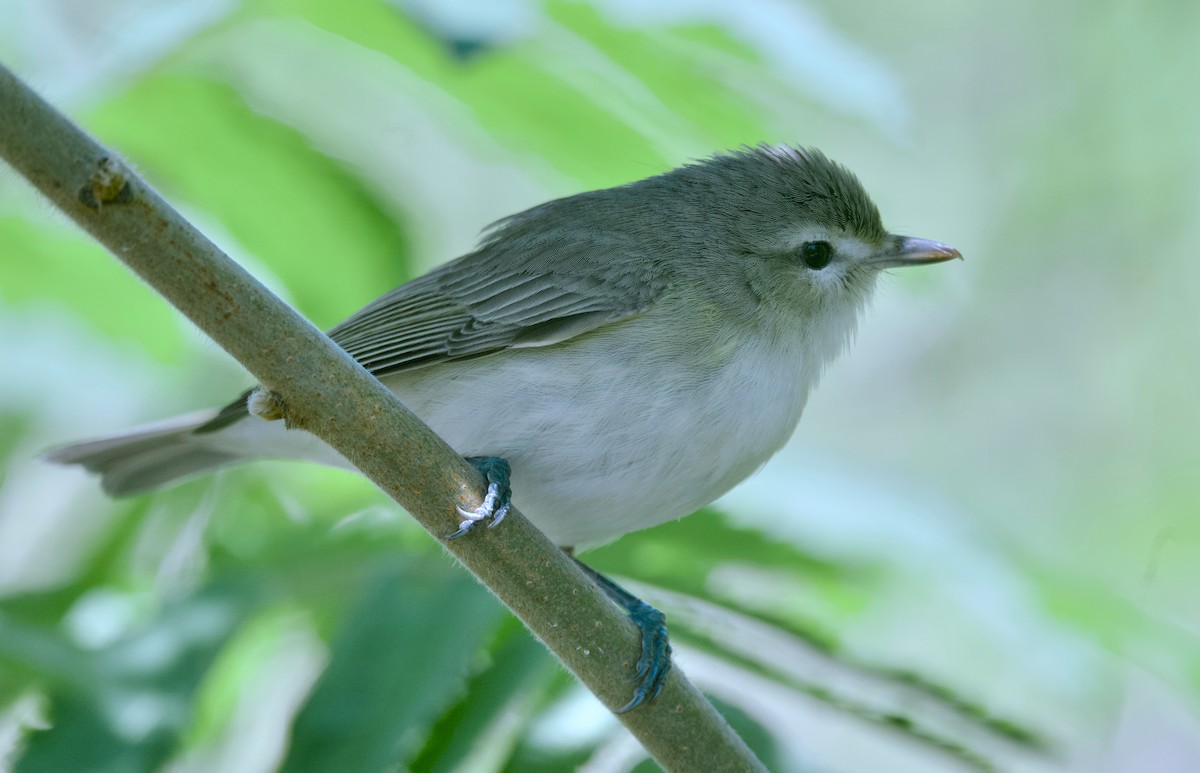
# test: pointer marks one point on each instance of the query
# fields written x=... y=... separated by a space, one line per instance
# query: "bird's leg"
x=655 y=661
x=497 y=500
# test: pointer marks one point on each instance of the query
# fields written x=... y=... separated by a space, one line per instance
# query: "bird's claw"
x=654 y=663
x=472 y=518
x=496 y=502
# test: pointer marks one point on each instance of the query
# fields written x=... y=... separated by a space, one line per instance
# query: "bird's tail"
x=147 y=457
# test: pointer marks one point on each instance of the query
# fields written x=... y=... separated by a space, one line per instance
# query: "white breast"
x=608 y=433
x=610 y=436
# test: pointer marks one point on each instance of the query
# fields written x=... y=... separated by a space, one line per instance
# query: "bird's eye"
x=816 y=255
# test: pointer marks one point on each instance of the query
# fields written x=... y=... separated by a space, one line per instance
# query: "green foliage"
x=982 y=552
x=49 y=263
x=249 y=169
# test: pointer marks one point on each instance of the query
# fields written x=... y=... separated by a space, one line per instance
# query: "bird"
x=609 y=361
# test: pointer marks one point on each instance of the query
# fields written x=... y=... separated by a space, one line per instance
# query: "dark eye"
x=816 y=255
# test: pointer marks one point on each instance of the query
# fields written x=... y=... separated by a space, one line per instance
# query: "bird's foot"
x=654 y=664
x=497 y=500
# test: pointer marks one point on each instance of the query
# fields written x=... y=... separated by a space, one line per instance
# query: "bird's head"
x=795 y=231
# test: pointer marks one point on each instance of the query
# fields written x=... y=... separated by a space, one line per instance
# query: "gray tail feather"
x=147 y=457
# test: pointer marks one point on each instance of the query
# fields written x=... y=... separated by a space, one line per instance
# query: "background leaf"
x=981 y=548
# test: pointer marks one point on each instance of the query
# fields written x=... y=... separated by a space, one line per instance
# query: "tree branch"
x=325 y=392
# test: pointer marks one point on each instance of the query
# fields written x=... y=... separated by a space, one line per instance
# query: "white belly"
x=597 y=450
x=612 y=438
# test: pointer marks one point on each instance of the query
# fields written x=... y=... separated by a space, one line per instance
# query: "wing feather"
x=494 y=298
x=524 y=291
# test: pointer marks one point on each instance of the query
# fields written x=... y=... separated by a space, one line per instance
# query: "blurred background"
x=981 y=550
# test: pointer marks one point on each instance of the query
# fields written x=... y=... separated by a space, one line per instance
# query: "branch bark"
x=327 y=393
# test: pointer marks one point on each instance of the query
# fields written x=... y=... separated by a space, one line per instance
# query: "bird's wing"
x=481 y=303
x=491 y=300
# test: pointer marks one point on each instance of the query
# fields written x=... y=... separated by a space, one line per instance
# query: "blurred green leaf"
x=124 y=706
x=405 y=649
x=294 y=209
x=518 y=93
x=1043 y=135
x=683 y=555
x=483 y=727
x=44 y=260
x=664 y=71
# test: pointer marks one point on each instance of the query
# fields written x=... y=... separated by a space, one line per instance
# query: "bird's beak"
x=910 y=251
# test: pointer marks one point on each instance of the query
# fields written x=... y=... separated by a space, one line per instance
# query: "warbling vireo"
x=623 y=357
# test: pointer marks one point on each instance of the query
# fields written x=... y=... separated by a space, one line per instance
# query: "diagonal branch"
x=328 y=394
